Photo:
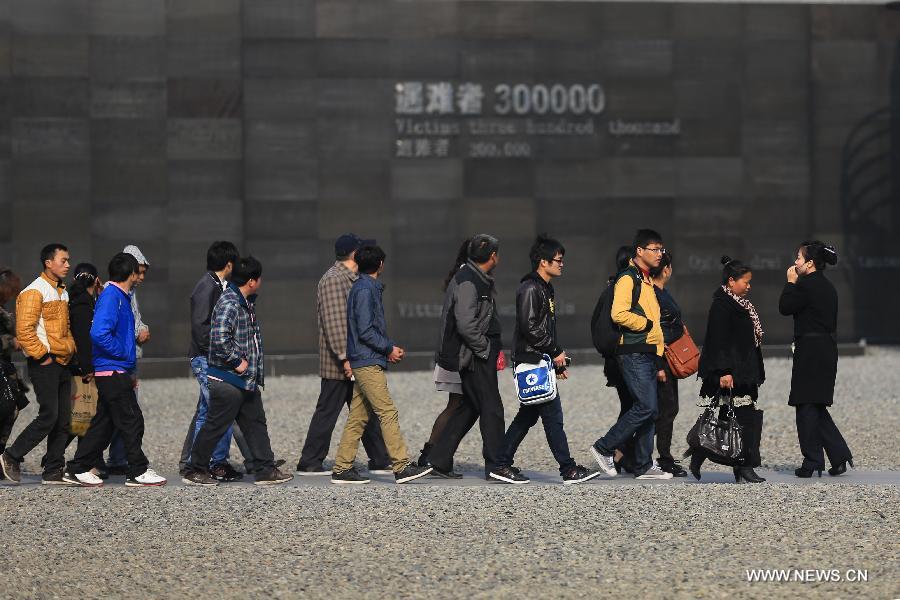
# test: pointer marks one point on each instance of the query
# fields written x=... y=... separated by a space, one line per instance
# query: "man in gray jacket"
x=470 y=344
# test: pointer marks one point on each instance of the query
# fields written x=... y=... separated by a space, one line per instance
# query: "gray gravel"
x=498 y=541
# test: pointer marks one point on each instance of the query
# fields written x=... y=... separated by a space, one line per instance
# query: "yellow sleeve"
x=621 y=306
x=28 y=313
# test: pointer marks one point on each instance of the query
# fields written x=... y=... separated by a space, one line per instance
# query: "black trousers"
x=53 y=387
x=667 y=396
x=481 y=402
x=334 y=396
x=551 y=415
x=228 y=404
x=817 y=433
x=117 y=410
x=185 y=460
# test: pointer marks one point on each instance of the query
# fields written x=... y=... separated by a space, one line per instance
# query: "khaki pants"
x=371 y=391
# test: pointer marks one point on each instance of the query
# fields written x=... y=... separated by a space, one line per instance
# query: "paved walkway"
x=471 y=479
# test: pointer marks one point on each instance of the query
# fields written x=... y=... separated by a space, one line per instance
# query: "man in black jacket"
x=220 y=260
x=470 y=345
x=534 y=337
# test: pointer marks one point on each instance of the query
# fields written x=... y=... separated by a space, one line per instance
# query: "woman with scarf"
x=813 y=302
x=731 y=366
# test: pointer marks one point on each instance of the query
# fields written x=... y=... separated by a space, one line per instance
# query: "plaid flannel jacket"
x=332 y=311
x=235 y=335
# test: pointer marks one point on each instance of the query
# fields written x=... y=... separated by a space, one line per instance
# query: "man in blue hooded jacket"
x=114 y=354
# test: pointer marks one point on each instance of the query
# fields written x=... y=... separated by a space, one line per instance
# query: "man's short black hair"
x=645 y=237
x=49 y=251
x=221 y=253
x=544 y=248
x=245 y=269
x=482 y=247
x=121 y=267
x=369 y=259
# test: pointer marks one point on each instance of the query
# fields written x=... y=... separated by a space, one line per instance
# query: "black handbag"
x=722 y=437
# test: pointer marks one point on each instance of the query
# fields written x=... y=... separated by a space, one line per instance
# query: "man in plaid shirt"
x=334 y=368
x=236 y=376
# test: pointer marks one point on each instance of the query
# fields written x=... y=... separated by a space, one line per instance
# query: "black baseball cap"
x=350 y=242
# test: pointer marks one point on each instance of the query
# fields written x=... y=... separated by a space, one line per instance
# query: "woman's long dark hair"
x=461 y=257
x=85 y=277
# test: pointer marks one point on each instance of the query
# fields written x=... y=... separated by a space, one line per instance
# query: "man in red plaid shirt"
x=334 y=368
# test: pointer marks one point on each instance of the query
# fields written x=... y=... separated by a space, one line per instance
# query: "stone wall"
x=280 y=124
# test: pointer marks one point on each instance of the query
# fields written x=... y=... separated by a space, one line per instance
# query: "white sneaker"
x=86 y=479
x=654 y=472
x=148 y=478
x=607 y=463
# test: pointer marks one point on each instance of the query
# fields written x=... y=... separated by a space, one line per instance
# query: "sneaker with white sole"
x=411 y=472
x=148 y=478
x=201 y=478
x=579 y=474
x=349 y=477
x=86 y=479
x=508 y=475
x=606 y=461
x=654 y=472
x=10 y=467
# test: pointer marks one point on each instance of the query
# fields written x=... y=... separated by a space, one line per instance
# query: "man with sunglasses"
x=640 y=358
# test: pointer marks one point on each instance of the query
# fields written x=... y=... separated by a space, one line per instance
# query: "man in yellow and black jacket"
x=42 y=329
x=639 y=357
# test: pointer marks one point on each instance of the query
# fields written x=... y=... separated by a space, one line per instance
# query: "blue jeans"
x=551 y=414
x=639 y=372
x=199 y=365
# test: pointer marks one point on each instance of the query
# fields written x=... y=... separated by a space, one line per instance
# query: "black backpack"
x=605 y=334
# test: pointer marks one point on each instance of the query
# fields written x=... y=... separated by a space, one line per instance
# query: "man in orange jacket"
x=42 y=328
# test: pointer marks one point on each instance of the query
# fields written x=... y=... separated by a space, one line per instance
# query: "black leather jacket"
x=535 y=332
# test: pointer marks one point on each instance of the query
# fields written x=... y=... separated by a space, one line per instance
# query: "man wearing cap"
x=334 y=368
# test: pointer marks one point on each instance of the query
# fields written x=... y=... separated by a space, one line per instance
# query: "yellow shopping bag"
x=84 y=405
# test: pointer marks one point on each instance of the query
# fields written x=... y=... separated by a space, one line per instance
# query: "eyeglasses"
x=659 y=250
x=557 y=260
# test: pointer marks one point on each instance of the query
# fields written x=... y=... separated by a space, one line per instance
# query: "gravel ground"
x=498 y=541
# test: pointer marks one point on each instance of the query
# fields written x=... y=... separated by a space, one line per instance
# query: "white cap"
x=136 y=253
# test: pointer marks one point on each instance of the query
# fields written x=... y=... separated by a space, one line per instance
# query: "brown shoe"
x=272 y=477
x=10 y=467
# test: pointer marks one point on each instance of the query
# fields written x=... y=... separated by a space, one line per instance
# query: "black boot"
x=805 y=473
x=697 y=459
x=841 y=468
x=746 y=475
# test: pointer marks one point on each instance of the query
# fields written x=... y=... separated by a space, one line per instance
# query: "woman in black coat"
x=731 y=359
x=813 y=302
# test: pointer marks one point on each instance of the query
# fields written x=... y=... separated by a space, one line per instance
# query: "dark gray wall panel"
x=272 y=123
x=268 y=19
x=128 y=17
x=283 y=180
x=50 y=55
x=203 y=139
x=131 y=138
x=50 y=97
x=54 y=17
x=205 y=98
x=118 y=58
x=50 y=139
x=128 y=100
